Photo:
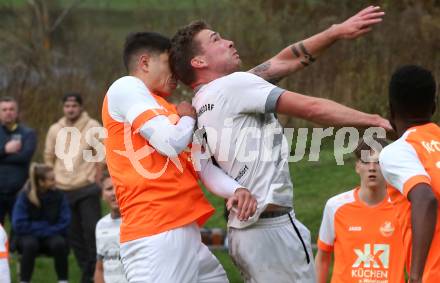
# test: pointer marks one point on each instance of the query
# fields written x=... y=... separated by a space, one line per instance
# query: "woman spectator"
x=40 y=220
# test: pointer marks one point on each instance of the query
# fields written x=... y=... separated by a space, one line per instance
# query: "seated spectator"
x=108 y=268
x=40 y=220
x=5 y=276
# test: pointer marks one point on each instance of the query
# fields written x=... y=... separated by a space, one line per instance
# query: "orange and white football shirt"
x=155 y=193
x=366 y=240
x=413 y=159
x=4 y=255
x=4 y=250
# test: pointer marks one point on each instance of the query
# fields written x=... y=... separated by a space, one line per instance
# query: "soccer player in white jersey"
x=272 y=246
x=108 y=268
x=5 y=276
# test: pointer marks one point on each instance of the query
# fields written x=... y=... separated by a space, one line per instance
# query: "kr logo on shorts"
x=375 y=256
x=135 y=156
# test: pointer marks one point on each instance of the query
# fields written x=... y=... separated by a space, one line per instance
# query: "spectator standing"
x=17 y=145
x=78 y=180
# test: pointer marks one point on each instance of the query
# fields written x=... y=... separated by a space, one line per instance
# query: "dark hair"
x=412 y=92
x=73 y=96
x=377 y=146
x=105 y=175
x=8 y=99
x=151 y=42
x=183 y=49
x=37 y=172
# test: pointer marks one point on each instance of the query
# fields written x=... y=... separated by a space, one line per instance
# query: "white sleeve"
x=327 y=230
x=401 y=166
x=166 y=138
x=4 y=265
x=128 y=98
x=97 y=244
x=216 y=180
x=248 y=93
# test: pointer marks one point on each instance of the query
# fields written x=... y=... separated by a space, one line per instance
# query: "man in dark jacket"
x=17 y=145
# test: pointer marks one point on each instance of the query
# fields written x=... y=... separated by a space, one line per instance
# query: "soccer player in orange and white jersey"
x=160 y=200
x=5 y=276
x=361 y=229
x=412 y=166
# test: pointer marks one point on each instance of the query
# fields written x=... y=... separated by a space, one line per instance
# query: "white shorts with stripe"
x=271 y=251
x=177 y=255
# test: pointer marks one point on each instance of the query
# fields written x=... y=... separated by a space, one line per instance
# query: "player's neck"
x=403 y=125
x=372 y=196
x=144 y=78
x=115 y=213
x=206 y=77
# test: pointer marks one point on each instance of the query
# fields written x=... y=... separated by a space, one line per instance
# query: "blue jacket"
x=14 y=167
x=51 y=218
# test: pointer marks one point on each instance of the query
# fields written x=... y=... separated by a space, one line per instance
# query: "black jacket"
x=14 y=167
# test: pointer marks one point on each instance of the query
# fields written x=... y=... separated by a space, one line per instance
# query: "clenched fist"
x=185 y=108
x=246 y=204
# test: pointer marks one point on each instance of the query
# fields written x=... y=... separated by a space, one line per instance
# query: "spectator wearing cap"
x=17 y=145
x=77 y=177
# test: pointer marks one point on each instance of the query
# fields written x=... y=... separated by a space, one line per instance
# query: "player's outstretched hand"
x=185 y=109
x=384 y=123
x=360 y=23
x=244 y=202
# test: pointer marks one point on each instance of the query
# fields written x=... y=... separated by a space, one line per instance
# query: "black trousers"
x=30 y=247
x=85 y=204
x=7 y=202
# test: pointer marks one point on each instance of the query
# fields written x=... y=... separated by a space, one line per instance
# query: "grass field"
x=314 y=183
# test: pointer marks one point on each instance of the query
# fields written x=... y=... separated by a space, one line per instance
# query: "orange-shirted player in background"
x=412 y=166
x=361 y=228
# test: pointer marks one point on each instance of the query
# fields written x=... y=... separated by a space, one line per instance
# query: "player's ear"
x=198 y=62
x=356 y=166
x=143 y=62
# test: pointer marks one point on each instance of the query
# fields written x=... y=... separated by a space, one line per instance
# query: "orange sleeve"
x=323 y=246
x=147 y=115
x=413 y=181
x=6 y=253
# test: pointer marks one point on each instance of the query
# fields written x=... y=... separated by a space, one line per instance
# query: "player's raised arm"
x=305 y=52
x=326 y=112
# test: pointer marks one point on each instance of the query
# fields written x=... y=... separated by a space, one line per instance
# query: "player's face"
x=162 y=81
x=8 y=112
x=219 y=53
x=369 y=171
x=108 y=194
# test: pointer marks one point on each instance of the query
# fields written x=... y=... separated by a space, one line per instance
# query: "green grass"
x=314 y=183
